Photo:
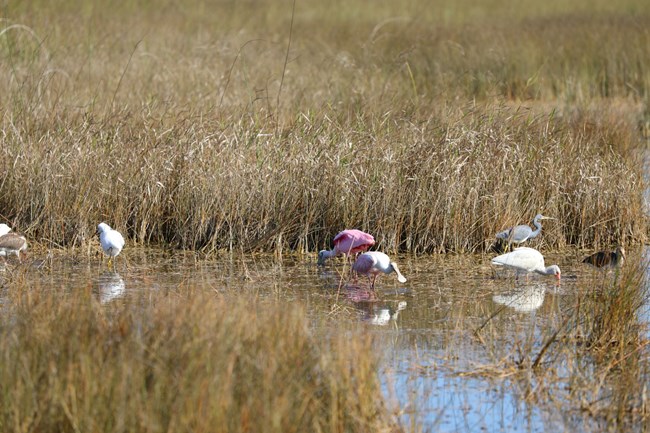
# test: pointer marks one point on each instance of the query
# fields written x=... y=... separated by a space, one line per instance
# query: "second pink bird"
x=347 y=242
x=374 y=263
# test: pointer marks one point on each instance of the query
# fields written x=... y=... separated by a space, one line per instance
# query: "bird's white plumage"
x=526 y=259
x=4 y=229
x=373 y=263
x=111 y=240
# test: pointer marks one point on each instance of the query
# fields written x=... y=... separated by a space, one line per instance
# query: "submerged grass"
x=432 y=126
x=179 y=362
x=589 y=360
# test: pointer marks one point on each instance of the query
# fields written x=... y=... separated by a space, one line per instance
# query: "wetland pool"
x=443 y=374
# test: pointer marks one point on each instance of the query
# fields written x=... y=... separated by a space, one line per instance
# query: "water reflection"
x=449 y=297
x=381 y=315
x=523 y=299
x=109 y=286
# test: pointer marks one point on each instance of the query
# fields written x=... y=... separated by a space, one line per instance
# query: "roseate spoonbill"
x=347 y=242
x=526 y=259
x=12 y=243
x=373 y=263
x=521 y=233
x=4 y=229
x=606 y=259
x=111 y=240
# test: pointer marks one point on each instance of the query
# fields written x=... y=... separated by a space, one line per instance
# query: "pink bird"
x=374 y=263
x=347 y=242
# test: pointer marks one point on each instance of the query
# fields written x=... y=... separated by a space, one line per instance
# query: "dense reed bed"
x=179 y=362
x=258 y=126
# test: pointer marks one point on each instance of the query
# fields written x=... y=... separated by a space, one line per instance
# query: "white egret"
x=111 y=240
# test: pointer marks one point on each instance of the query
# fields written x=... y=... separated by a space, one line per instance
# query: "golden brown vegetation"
x=588 y=357
x=185 y=361
x=433 y=126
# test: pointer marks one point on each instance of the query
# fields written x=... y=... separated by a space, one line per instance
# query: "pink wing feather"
x=353 y=241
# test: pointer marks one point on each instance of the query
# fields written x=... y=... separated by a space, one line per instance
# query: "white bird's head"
x=555 y=270
x=103 y=228
x=321 y=257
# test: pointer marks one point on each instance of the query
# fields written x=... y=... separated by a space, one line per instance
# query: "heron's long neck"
x=537 y=224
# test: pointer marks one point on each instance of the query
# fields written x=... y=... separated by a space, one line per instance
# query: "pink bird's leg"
x=372 y=285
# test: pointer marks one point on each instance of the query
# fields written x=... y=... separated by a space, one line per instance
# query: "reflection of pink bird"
x=347 y=242
x=374 y=263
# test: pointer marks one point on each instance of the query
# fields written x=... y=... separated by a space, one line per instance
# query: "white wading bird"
x=526 y=259
x=111 y=240
x=374 y=263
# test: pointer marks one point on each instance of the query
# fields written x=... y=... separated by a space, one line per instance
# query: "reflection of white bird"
x=526 y=259
x=381 y=318
x=383 y=315
x=110 y=285
x=111 y=240
x=374 y=263
x=523 y=300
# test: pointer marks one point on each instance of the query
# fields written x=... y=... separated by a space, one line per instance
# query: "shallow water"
x=433 y=362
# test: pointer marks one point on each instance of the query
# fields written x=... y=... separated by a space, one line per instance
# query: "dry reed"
x=427 y=125
x=179 y=362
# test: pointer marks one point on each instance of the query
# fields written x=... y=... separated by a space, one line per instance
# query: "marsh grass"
x=187 y=361
x=432 y=126
x=588 y=360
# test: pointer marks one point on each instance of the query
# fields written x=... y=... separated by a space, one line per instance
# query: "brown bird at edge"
x=12 y=243
x=606 y=259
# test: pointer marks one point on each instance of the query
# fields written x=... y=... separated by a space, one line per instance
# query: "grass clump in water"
x=179 y=363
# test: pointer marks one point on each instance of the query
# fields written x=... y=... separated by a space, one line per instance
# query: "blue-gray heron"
x=521 y=233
